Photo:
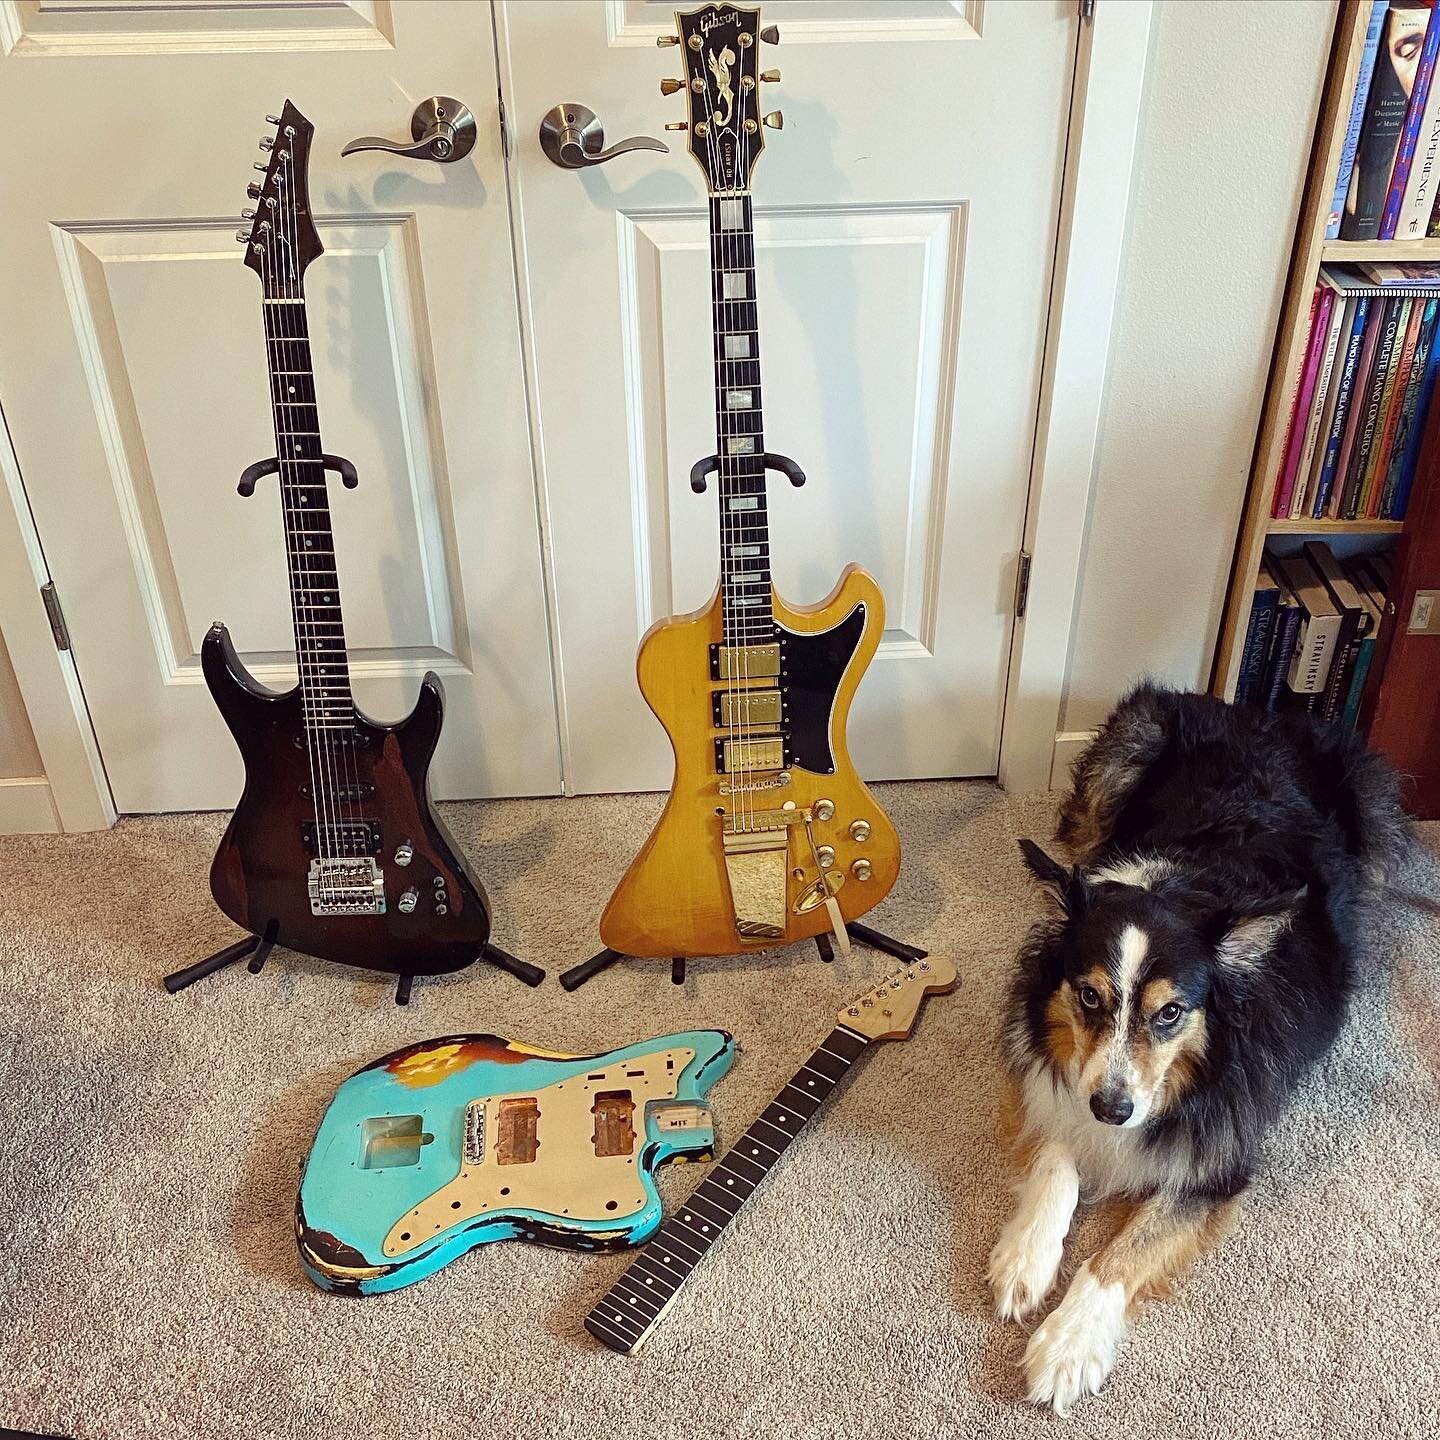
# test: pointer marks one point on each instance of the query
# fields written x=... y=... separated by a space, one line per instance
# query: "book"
x=1414 y=440
x=1385 y=434
x=1354 y=626
x=1408 y=404
x=1263 y=605
x=1319 y=628
x=1343 y=392
x=1357 y=115
x=1370 y=409
x=1282 y=642
x=1385 y=110
x=1350 y=715
x=1321 y=304
x=1355 y=418
x=1318 y=405
x=1420 y=87
x=1400 y=277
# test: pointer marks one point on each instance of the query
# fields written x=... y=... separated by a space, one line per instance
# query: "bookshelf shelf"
x=1393 y=250
x=1311 y=250
x=1334 y=527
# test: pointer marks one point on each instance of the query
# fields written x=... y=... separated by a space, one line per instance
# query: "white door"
x=132 y=371
x=905 y=226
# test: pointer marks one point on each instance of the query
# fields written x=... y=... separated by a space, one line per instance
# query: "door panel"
x=136 y=389
x=904 y=261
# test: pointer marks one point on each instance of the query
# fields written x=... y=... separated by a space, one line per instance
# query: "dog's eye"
x=1089 y=997
x=1168 y=1014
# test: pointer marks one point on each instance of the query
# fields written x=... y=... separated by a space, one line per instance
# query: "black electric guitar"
x=334 y=849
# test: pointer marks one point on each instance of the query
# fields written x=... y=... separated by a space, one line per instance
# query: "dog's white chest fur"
x=1111 y=1160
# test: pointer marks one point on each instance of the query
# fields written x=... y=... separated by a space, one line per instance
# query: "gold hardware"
x=663 y=40
x=826 y=856
x=751 y=127
x=702 y=127
x=678 y=125
x=750 y=707
x=748 y=662
x=818 y=893
x=765 y=820
x=824 y=809
x=695 y=42
x=669 y=87
x=747 y=84
x=771 y=34
x=746 y=38
x=775 y=120
x=860 y=830
x=769 y=77
x=766 y=754
x=769 y=782
x=698 y=85
x=861 y=869
x=756 y=862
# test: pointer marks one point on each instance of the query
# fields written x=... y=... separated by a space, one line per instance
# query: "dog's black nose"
x=1112 y=1109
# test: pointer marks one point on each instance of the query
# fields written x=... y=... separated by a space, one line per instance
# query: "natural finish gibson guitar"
x=625 y=1317
x=769 y=835
x=334 y=849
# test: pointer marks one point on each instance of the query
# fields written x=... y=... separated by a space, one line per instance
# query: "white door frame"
x=1094 y=206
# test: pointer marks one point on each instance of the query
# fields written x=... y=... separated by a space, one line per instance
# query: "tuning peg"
x=242 y=235
x=769 y=77
x=771 y=34
x=253 y=190
x=663 y=40
x=260 y=165
x=267 y=142
x=247 y=213
x=775 y=120
x=272 y=119
x=678 y=125
x=669 y=87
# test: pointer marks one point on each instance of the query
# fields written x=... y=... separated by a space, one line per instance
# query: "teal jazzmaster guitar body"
x=450 y=1143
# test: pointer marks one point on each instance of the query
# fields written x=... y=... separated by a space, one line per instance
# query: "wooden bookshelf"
x=1310 y=250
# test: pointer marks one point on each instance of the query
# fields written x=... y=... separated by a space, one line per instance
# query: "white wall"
x=18 y=755
x=1232 y=89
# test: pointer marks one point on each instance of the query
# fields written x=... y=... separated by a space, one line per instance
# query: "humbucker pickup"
x=749 y=755
x=745 y=662
x=746 y=707
x=341 y=837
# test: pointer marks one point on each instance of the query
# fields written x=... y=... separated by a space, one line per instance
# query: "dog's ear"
x=1244 y=933
x=1067 y=888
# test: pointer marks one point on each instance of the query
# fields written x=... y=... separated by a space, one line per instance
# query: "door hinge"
x=57 y=615
x=504 y=131
x=1087 y=11
x=1022 y=584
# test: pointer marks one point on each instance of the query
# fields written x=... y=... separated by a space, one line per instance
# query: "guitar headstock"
x=280 y=238
x=889 y=1010
x=720 y=45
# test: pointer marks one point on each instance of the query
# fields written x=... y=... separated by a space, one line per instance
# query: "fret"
x=624 y=1317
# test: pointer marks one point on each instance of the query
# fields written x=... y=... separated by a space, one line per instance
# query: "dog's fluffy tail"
x=1345 y=778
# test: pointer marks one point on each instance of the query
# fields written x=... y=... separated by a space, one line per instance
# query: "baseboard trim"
x=1068 y=744
x=27 y=807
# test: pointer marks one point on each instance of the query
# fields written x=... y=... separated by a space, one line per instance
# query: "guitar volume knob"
x=826 y=855
x=824 y=809
x=861 y=869
x=860 y=830
x=408 y=901
x=404 y=853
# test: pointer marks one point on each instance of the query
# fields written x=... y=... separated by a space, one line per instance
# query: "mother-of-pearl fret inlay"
x=740 y=444
x=744 y=502
x=739 y=399
x=734 y=285
x=737 y=347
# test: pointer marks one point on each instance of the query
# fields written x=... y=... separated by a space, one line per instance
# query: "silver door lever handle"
x=441 y=129
x=573 y=137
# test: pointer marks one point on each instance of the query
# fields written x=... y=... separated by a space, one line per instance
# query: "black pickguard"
x=814 y=664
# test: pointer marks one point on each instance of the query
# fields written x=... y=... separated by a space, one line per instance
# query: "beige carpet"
x=149 y=1148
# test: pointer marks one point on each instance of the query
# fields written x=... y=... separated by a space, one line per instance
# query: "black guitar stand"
x=577 y=975
x=702 y=468
x=261 y=946
x=251 y=475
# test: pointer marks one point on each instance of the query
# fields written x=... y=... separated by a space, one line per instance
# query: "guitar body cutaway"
x=690 y=890
x=455 y=1142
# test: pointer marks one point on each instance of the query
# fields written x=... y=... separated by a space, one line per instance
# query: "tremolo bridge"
x=353 y=886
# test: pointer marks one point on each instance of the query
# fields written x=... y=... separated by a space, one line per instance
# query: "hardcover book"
x=1343 y=393
x=1263 y=605
x=1405 y=334
x=1323 y=298
x=1370 y=408
x=1354 y=626
x=1319 y=628
x=1321 y=405
x=1416 y=437
x=1407 y=407
x=1282 y=644
x=1396 y=63
x=1420 y=87
x=1357 y=115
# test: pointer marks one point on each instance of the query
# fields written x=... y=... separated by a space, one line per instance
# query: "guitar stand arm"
x=251 y=475
x=700 y=470
x=875 y=939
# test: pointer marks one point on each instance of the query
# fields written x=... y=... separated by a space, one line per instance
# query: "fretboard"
x=309 y=542
x=624 y=1318
x=739 y=425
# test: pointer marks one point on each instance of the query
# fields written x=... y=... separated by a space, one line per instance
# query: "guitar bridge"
x=756 y=862
x=346 y=887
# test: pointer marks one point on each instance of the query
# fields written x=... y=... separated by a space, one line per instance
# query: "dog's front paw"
x=1072 y=1353
x=1023 y=1266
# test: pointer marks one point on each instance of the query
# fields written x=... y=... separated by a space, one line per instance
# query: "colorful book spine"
x=1356 y=419
x=1385 y=431
x=1316 y=412
x=1342 y=404
x=1420 y=191
x=1300 y=408
x=1380 y=131
x=1370 y=411
x=1408 y=406
x=1410 y=133
x=1416 y=438
x=1351 y=714
x=1357 y=115
x=1258 y=633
